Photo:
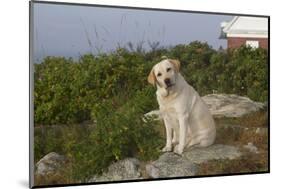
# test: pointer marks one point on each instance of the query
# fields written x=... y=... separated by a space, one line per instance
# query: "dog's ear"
x=176 y=63
x=151 y=77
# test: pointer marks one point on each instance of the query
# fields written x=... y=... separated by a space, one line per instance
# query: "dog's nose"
x=167 y=81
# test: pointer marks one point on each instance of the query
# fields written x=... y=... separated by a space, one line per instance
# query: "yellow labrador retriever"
x=187 y=119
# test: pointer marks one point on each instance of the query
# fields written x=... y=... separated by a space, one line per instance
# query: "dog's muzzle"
x=168 y=83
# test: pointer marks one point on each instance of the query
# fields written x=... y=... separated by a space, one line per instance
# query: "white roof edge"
x=230 y=29
x=229 y=24
x=247 y=35
x=248 y=32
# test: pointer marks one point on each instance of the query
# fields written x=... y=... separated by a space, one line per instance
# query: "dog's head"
x=164 y=73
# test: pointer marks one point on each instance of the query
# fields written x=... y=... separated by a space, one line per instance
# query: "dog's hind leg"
x=205 y=143
x=199 y=142
x=192 y=142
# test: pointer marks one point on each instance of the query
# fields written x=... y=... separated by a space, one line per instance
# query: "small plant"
x=122 y=132
x=118 y=133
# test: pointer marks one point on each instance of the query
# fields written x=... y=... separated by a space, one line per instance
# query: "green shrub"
x=66 y=91
x=242 y=71
x=122 y=132
x=117 y=132
x=249 y=72
x=61 y=92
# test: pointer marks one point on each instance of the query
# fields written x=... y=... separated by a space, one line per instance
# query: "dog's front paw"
x=167 y=149
x=178 y=149
x=175 y=142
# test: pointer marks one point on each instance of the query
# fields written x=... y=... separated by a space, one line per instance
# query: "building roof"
x=242 y=26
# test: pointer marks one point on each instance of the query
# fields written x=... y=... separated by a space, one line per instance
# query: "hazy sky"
x=65 y=30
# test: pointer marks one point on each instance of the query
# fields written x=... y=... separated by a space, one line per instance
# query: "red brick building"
x=252 y=31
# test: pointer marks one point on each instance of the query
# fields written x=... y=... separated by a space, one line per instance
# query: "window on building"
x=253 y=44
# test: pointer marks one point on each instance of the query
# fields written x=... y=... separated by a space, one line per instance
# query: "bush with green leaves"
x=116 y=133
x=124 y=132
x=248 y=70
x=66 y=90
x=242 y=71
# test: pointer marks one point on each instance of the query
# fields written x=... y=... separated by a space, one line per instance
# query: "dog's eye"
x=168 y=69
x=159 y=74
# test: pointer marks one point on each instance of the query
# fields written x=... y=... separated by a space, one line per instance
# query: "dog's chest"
x=168 y=110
